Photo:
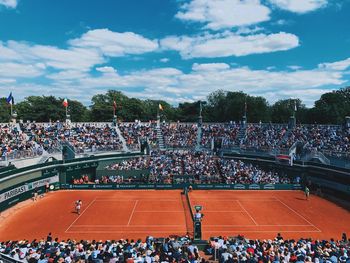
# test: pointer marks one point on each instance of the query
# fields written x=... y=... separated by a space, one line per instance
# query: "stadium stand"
x=172 y=249
x=176 y=249
x=201 y=167
x=240 y=249
x=34 y=139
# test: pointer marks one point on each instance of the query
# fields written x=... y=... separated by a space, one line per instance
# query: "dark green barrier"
x=121 y=186
x=332 y=185
x=247 y=186
x=181 y=186
x=24 y=191
x=19 y=190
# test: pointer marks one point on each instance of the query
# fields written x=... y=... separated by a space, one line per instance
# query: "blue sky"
x=178 y=50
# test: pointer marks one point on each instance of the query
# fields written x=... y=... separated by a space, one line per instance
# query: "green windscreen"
x=19 y=179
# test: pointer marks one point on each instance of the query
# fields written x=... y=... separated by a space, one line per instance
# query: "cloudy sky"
x=178 y=50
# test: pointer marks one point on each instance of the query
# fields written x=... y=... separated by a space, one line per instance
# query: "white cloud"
x=115 y=44
x=9 y=3
x=176 y=86
x=210 y=67
x=294 y=67
x=219 y=14
x=7 y=81
x=71 y=71
x=107 y=70
x=229 y=44
x=50 y=56
x=164 y=60
x=67 y=75
x=339 y=65
x=248 y=30
x=299 y=6
x=81 y=55
x=19 y=70
x=8 y=53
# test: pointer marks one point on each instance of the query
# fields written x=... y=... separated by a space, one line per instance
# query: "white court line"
x=250 y=225
x=132 y=212
x=214 y=231
x=247 y=212
x=234 y=199
x=125 y=225
x=224 y=211
x=80 y=215
x=126 y=231
x=160 y=211
x=264 y=231
x=230 y=200
x=147 y=199
x=112 y=200
x=298 y=214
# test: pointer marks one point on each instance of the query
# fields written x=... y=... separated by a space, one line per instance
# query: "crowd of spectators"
x=136 y=131
x=84 y=179
x=265 y=137
x=227 y=132
x=239 y=249
x=203 y=166
x=139 y=163
x=14 y=143
x=33 y=139
x=179 y=249
x=239 y=172
x=197 y=167
x=83 y=137
x=179 y=135
x=49 y=250
x=331 y=140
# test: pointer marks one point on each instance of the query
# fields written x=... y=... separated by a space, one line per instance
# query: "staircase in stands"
x=241 y=135
x=160 y=138
x=122 y=139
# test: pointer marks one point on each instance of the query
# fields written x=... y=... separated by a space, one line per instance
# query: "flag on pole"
x=114 y=105
x=10 y=99
x=65 y=103
x=160 y=107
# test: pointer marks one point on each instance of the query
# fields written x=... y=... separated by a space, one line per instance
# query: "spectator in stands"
x=279 y=250
x=173 y=249
x=203 y=167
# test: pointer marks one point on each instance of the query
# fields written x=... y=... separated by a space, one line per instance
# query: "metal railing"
x=8 y=259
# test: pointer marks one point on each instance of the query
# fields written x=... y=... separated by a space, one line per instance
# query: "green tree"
x=4 y=110
x=188 y=111
x=230 y=106
x=151 y=108
x=40 y=109
x=77 y=111
x=282 y=110
x=257 y=109
x=332 y=107
x=46 y=108
x=102 y=105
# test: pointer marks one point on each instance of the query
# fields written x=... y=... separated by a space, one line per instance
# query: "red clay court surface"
x=112 y=214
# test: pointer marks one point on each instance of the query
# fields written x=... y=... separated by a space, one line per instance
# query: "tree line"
x=220 y=106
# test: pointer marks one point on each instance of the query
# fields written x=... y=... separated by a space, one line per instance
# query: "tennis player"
x=307 y=192
x=78 y=205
